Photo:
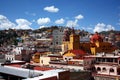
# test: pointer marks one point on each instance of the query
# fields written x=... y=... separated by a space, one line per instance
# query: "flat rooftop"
x=106 y=56
x=37 y=73
x=39 y=68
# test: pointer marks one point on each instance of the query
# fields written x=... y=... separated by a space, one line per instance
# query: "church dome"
x=96 y=37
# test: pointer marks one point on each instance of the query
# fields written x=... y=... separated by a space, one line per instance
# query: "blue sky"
x=90 y=15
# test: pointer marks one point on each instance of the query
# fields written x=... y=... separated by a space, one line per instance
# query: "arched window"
x=111 y=70
x=118 y=71
x=98 y=69
x=69 y=59
x=51 y=66
x=104 y=69
x=66 y=59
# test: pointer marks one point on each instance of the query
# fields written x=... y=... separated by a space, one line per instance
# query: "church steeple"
x=74 y=40
x=73 y=31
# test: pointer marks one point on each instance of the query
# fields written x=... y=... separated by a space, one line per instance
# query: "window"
x=109 y=60
x=111 y=70
x=56 y=42
x=103 y=60
x=37 y=56
x=119 y=62
x=56 y=36
x=51 y=43
x=65 y=58
x=42 y=61
x=69 y=59
x=118 y=71
x=98 y=69
x=104 y=69
x=51 y=66
x=115 y=60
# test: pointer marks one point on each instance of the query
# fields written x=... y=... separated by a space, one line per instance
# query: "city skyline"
x=92 y=16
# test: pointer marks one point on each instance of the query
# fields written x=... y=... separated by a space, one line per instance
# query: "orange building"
x=36 y=57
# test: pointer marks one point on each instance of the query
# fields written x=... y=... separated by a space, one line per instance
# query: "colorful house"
x=98 y=45
x=95 y=45
x=77 y=58
x=70 y=54
x=73 y=60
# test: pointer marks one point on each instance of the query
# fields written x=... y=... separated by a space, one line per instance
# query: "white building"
x=10 y=57
x=107 y=66
x=17 y=50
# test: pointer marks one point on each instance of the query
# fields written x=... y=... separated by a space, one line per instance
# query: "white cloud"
x=42 y=21
x=72 y=23
x=51 y=9
x=109 y=27
x=23 y=24
x=42 y=26
x=60 y=21
x=103 y=27
x=5 y=23
x=79 y=16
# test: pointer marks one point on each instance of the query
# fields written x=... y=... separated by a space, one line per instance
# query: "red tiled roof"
x=15 y=65
x=42 y=68
x=78 y=52
x=35 y=67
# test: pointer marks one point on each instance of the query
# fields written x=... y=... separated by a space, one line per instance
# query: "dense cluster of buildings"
x=54 y=55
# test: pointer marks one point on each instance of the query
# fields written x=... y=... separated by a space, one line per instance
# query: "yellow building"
x=36 y=57
x=96 y=44
x=74 y=42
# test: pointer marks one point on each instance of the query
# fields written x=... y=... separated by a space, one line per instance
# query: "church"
x=96 y=44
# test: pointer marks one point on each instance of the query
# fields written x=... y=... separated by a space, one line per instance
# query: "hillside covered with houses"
x=76 y=51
